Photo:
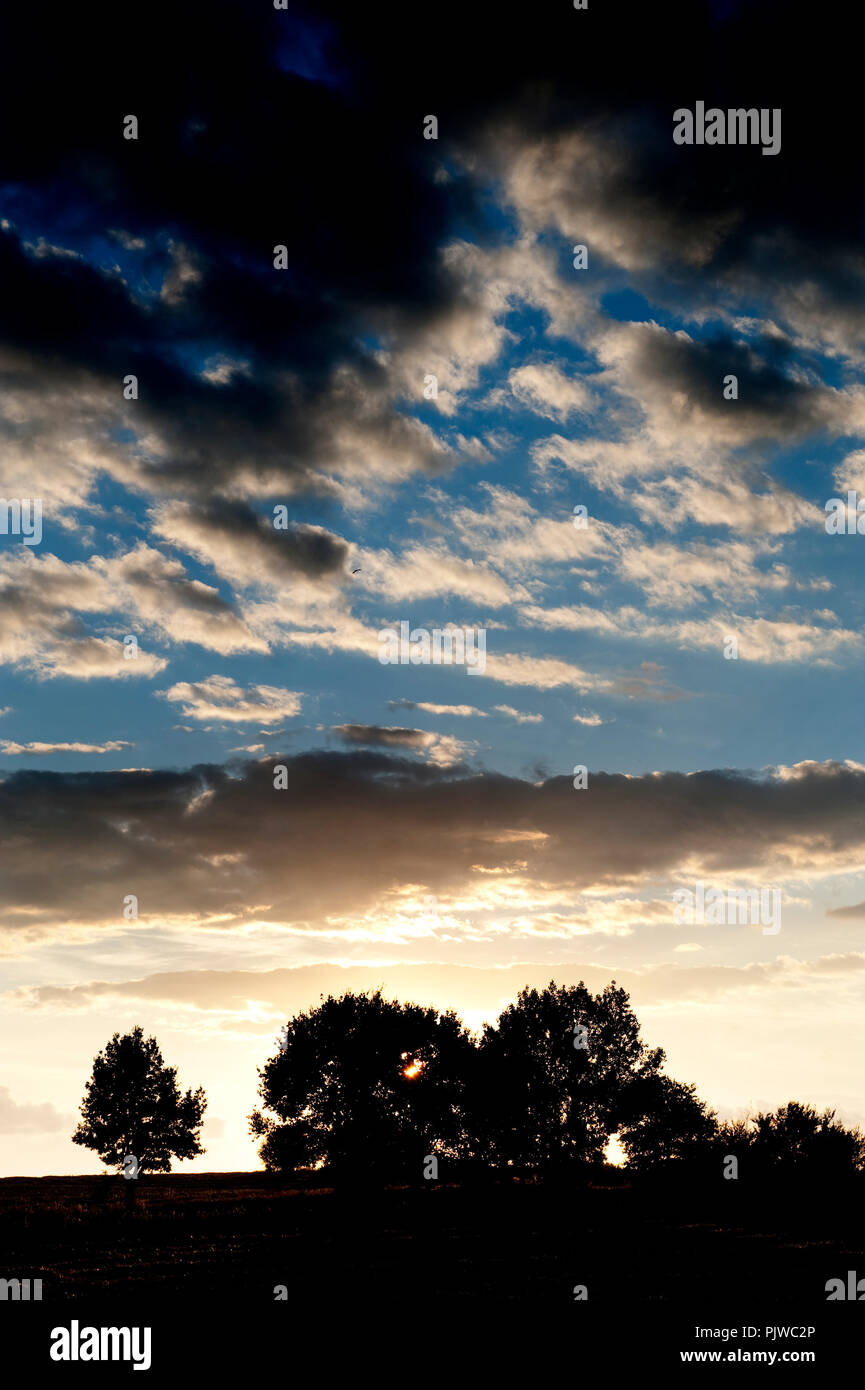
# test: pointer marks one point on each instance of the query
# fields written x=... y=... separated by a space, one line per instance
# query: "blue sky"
x=740 y=714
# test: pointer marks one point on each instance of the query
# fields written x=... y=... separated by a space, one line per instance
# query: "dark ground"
x=202 y=1236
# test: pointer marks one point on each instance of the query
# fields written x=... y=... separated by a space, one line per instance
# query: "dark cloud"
x=770 y=401
x=217 y=178
x=351 y=826
x=260 y=546
x=378 y=736
x=316 y=143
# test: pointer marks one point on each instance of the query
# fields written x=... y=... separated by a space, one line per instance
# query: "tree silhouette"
x=541 y=1102
x=796 y=1138
x=673 y=1123
x=132 y=1105
x=364 y=1085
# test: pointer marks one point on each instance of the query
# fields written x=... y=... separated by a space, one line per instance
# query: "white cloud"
x=13 y=749
x=455 y=711
x=542 y=672
x=765 y=640
x=546 y=390
x=519 y=716
x=426 y=571
x=218 y=698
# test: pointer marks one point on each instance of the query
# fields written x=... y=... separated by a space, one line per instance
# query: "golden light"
x=413 y=1069
x=615 y=1153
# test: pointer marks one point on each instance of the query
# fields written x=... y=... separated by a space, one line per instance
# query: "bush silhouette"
x=794 y=1140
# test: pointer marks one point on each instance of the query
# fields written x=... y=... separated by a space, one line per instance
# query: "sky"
x=371 y=387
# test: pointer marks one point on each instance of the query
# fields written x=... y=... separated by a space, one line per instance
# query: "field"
x=202 y=1236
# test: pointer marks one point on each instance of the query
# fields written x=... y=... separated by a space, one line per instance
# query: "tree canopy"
x=560 y=1072
x=671 y=1123
x=362 y=1085
x=132 y=1105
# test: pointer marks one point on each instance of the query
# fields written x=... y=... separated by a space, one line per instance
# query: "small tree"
x=132 y=1105
x=364 y=1085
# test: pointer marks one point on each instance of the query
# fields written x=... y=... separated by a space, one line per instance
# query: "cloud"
x=516 y=536
x=518 y=715
x=315 y=399
x=40 y=598
x=208 y=845
x=764 y=640
x=159 y=593
x=681 y=575
x=112 y=746
x=541 y=672
x=335 y=350
x=545 y=389
x=260 y=387
x=43 y=596
x=29 y=1119
x=849 y=474
x=372 y=735
x=456 y=711
x=220 y=698
x=441 y=749
x=245 y=546
x=483 y=990
x=426 y=571
x=854 y=912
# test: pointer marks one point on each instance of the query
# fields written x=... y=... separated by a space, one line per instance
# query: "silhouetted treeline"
x=367 y=1087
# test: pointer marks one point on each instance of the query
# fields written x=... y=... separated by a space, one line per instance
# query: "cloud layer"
x=353 y=832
